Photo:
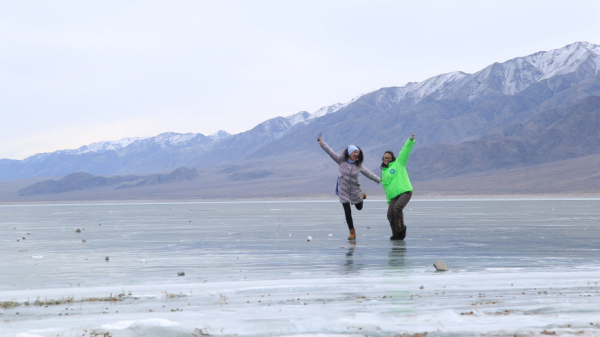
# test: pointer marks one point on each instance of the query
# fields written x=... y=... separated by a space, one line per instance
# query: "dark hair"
x=391 y=154
x=358 y=161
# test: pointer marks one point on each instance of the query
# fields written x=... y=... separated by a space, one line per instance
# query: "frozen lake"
x=517 y=267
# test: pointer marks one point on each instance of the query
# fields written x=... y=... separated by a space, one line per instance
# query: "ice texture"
x=525 y=267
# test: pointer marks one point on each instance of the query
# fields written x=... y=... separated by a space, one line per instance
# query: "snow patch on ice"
x=122 y=325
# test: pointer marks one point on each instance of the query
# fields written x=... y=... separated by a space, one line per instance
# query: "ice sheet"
x=517 y=267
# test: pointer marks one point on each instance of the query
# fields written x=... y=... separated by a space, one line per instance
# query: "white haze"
x=77 y=73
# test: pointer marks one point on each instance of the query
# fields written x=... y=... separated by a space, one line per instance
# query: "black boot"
x=402 y=233
x=399 y=230
x=394 y=231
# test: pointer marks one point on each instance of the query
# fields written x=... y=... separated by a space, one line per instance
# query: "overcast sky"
x=77 y=72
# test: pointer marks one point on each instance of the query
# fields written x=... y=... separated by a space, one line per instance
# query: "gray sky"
x=78 y=72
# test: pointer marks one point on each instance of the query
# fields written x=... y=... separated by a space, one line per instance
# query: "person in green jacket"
x=398 y=189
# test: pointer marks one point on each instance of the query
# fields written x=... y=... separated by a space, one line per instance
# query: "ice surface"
x=517 y=267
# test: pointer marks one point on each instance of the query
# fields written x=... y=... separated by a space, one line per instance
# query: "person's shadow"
x=397 y=254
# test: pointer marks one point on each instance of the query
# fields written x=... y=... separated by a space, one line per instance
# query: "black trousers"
x=348 y=213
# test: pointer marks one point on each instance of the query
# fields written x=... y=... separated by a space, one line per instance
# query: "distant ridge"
x=82 y=181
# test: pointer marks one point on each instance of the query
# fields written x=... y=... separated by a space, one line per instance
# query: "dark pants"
x=348 y=213
x=395 y=212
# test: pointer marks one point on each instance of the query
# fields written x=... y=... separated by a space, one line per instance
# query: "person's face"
x=354 y=155
x=387 y=158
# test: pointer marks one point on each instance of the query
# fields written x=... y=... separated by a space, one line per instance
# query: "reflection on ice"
x=516 y=267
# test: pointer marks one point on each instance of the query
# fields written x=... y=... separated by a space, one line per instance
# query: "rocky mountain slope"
x=556 y=134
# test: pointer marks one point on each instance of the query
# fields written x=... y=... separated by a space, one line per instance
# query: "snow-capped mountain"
x=509 y=78
x=296 y=118
x=278 y=127
x=564 y=60
x=448 y=108
x=163 y=140
x=305 y=117
x=331 y=109
x=516 y=75
x=414 y=92
x=457 y=106
x=105 y=146
x=220 y=135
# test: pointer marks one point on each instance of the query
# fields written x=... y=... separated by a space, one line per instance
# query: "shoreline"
x=313 y=198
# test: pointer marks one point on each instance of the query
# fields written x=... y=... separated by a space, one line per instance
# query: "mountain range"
x=538 y=111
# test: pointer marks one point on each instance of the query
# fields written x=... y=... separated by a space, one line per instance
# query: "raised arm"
x=406 y=149
x=336 y=157
x=369 y=174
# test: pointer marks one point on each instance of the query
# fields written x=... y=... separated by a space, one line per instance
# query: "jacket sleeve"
x=369 y=174
x=406 y=150
x=336 y=157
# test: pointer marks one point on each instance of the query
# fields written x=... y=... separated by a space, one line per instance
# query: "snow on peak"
x=305 y=117
x=326 y=110
x=172 y=138
x=163 y=140
x=105 y=146
x=416 y=91
x=563 y=60
x=298 y=117
x=219 y=135
x=510 y=77
x=518 y=74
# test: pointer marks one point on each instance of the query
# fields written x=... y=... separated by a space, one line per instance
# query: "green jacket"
x=394 y=178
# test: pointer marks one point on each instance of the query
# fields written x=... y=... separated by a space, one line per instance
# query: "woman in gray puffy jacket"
x=348 y=186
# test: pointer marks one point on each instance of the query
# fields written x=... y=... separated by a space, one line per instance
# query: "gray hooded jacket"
x=348 y=184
